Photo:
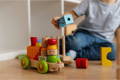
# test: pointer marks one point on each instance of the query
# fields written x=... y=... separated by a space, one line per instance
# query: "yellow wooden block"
x=104 y=60
x=38 y=44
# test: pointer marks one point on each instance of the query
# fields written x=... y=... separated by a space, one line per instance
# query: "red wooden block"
x=34 y=41
x=77 y=63
x=52 y=41
x=81 y=62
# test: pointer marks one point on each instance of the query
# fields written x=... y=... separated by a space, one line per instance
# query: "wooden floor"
x=11 y=70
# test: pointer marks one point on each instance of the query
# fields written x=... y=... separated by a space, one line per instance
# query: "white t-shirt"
x=102 y=19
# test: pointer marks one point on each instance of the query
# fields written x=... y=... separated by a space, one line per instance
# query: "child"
x=97 y=30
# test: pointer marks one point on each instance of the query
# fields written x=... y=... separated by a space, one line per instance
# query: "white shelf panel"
x=73 y=1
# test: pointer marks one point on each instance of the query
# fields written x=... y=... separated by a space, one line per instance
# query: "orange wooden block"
x=33 y=51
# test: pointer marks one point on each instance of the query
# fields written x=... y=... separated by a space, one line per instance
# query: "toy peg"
x=66 y=59
x=104 y=52
x=44 y=46
x=63 y=46
x=58 y=44
x=33 y=41
x=44 y=41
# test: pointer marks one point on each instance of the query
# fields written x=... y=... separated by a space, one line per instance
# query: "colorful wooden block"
x=33 y=52
x=65 y=20
x=81 y=63
x=52 y=41
x=39 y=43
x=104 y=60
x=33 y=41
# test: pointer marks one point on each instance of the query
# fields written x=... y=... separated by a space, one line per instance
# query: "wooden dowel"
x=58 y=44
x=118 y=54
x=118 y=73
x=63 y=46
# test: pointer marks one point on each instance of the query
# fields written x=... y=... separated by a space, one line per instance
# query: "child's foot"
x=72 y=53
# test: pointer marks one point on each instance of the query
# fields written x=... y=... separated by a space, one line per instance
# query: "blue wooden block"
x=39 y=41
x=65 y=20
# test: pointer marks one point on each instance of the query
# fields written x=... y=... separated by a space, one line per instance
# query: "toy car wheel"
x=42 y=67
x=25 y=62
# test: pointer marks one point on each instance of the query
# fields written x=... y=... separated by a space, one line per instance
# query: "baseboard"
x=11 y=55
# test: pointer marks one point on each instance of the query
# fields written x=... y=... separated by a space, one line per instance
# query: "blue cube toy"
x=65 y=20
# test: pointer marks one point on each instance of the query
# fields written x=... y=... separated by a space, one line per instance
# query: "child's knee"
x=73 y=44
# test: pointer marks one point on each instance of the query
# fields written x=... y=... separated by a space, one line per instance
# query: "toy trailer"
x=48 y=61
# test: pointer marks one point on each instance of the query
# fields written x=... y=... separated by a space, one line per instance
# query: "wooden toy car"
x=49 y=61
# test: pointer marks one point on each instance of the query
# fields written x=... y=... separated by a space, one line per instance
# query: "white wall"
x=42 y=12
x=13 y=25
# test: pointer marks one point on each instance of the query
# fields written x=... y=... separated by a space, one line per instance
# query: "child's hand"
x=54 y=22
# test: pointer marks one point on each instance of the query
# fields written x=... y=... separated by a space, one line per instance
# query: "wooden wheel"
x=42 y=67
x=25 y=62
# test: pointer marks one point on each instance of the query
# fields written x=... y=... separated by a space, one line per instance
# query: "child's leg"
x=87 y=45
x=79 y=40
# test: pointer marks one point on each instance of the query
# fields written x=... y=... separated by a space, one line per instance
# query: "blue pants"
x=88 y=46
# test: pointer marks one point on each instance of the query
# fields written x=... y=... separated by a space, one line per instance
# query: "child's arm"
x=80 y=10
x=54 y=20
x=118 y=45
